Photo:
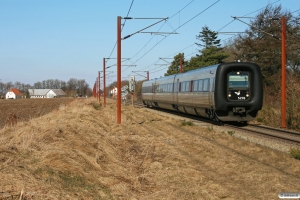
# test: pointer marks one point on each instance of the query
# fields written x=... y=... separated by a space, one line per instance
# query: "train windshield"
x=238 y=79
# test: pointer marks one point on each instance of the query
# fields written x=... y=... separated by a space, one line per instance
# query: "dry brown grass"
x=271 y=113
x=79 y=152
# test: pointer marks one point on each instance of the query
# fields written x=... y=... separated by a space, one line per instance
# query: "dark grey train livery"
x=223 y=92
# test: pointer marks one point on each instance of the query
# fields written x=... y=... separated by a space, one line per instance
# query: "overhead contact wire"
x=177 y=29
x=122 y=28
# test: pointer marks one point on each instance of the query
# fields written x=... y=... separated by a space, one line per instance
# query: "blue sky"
x=63 y=39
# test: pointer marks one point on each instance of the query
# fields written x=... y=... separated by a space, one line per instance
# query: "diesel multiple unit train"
x=223 y=92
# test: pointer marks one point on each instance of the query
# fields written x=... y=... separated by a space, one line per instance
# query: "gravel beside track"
x=239 y=133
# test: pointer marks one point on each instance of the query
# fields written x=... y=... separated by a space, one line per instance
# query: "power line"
x=122 y=28
x=226 y=26
x=178 y=28
x=295 y=11
x=127 y=15
x=159 y=29
x=246 y=15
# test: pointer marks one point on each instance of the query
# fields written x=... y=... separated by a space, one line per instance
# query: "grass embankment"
x=80 y=152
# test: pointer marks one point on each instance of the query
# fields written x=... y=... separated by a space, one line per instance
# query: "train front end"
x=238 y=91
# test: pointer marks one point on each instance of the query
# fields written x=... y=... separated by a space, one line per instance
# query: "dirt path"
x=148 y=156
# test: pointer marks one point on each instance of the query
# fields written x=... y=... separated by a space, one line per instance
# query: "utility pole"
x=119 y=70
x=104 y=84
x=180 y=64
x=119 y=58
x=283 y=72
x=99 y=86
x=283 y=64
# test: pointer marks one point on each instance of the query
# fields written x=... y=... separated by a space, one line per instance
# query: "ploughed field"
x=21 y=110
x=78 y=151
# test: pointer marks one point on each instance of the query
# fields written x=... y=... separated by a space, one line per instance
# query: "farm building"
x=46 y=93
x=113 y=91
x=14 y=93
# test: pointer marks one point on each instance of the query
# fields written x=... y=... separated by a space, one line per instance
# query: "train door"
x=211 y=92
x=173 y=90
x=153 y=92
x=176 y=90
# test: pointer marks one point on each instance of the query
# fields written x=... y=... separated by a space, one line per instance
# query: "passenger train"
x=223 y=92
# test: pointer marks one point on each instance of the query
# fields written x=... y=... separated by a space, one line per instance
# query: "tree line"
x=256 y=45
x=72 y=87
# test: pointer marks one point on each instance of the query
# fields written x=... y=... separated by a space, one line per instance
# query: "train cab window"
x=195 y=86
x=238 y=79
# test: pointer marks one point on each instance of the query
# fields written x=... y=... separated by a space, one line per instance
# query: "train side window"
x=195 y=86
x=182 y=87
x=175 y=87
x=200 y=85
x=187 y=86
x=213 y=84
x=206 y=85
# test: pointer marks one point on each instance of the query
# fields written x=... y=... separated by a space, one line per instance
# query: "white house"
x=14 y=93
x=46 y=93
x=114 y=91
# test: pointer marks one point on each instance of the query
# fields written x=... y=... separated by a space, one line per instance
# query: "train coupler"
x=240 y=110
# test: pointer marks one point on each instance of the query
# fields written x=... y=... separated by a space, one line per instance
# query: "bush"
x=97 y=106
x=231 y=133
x=295 y=153
x=187 y=123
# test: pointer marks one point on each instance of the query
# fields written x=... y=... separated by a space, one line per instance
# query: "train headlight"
x=247 y=95
x=229 y=95
x=237 y=72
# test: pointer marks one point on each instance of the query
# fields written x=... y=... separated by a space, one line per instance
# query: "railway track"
x=280 y=135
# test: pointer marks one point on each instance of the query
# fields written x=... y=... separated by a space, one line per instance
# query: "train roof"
x=191 y=71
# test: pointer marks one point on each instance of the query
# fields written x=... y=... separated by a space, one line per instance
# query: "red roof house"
x=14 y=93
